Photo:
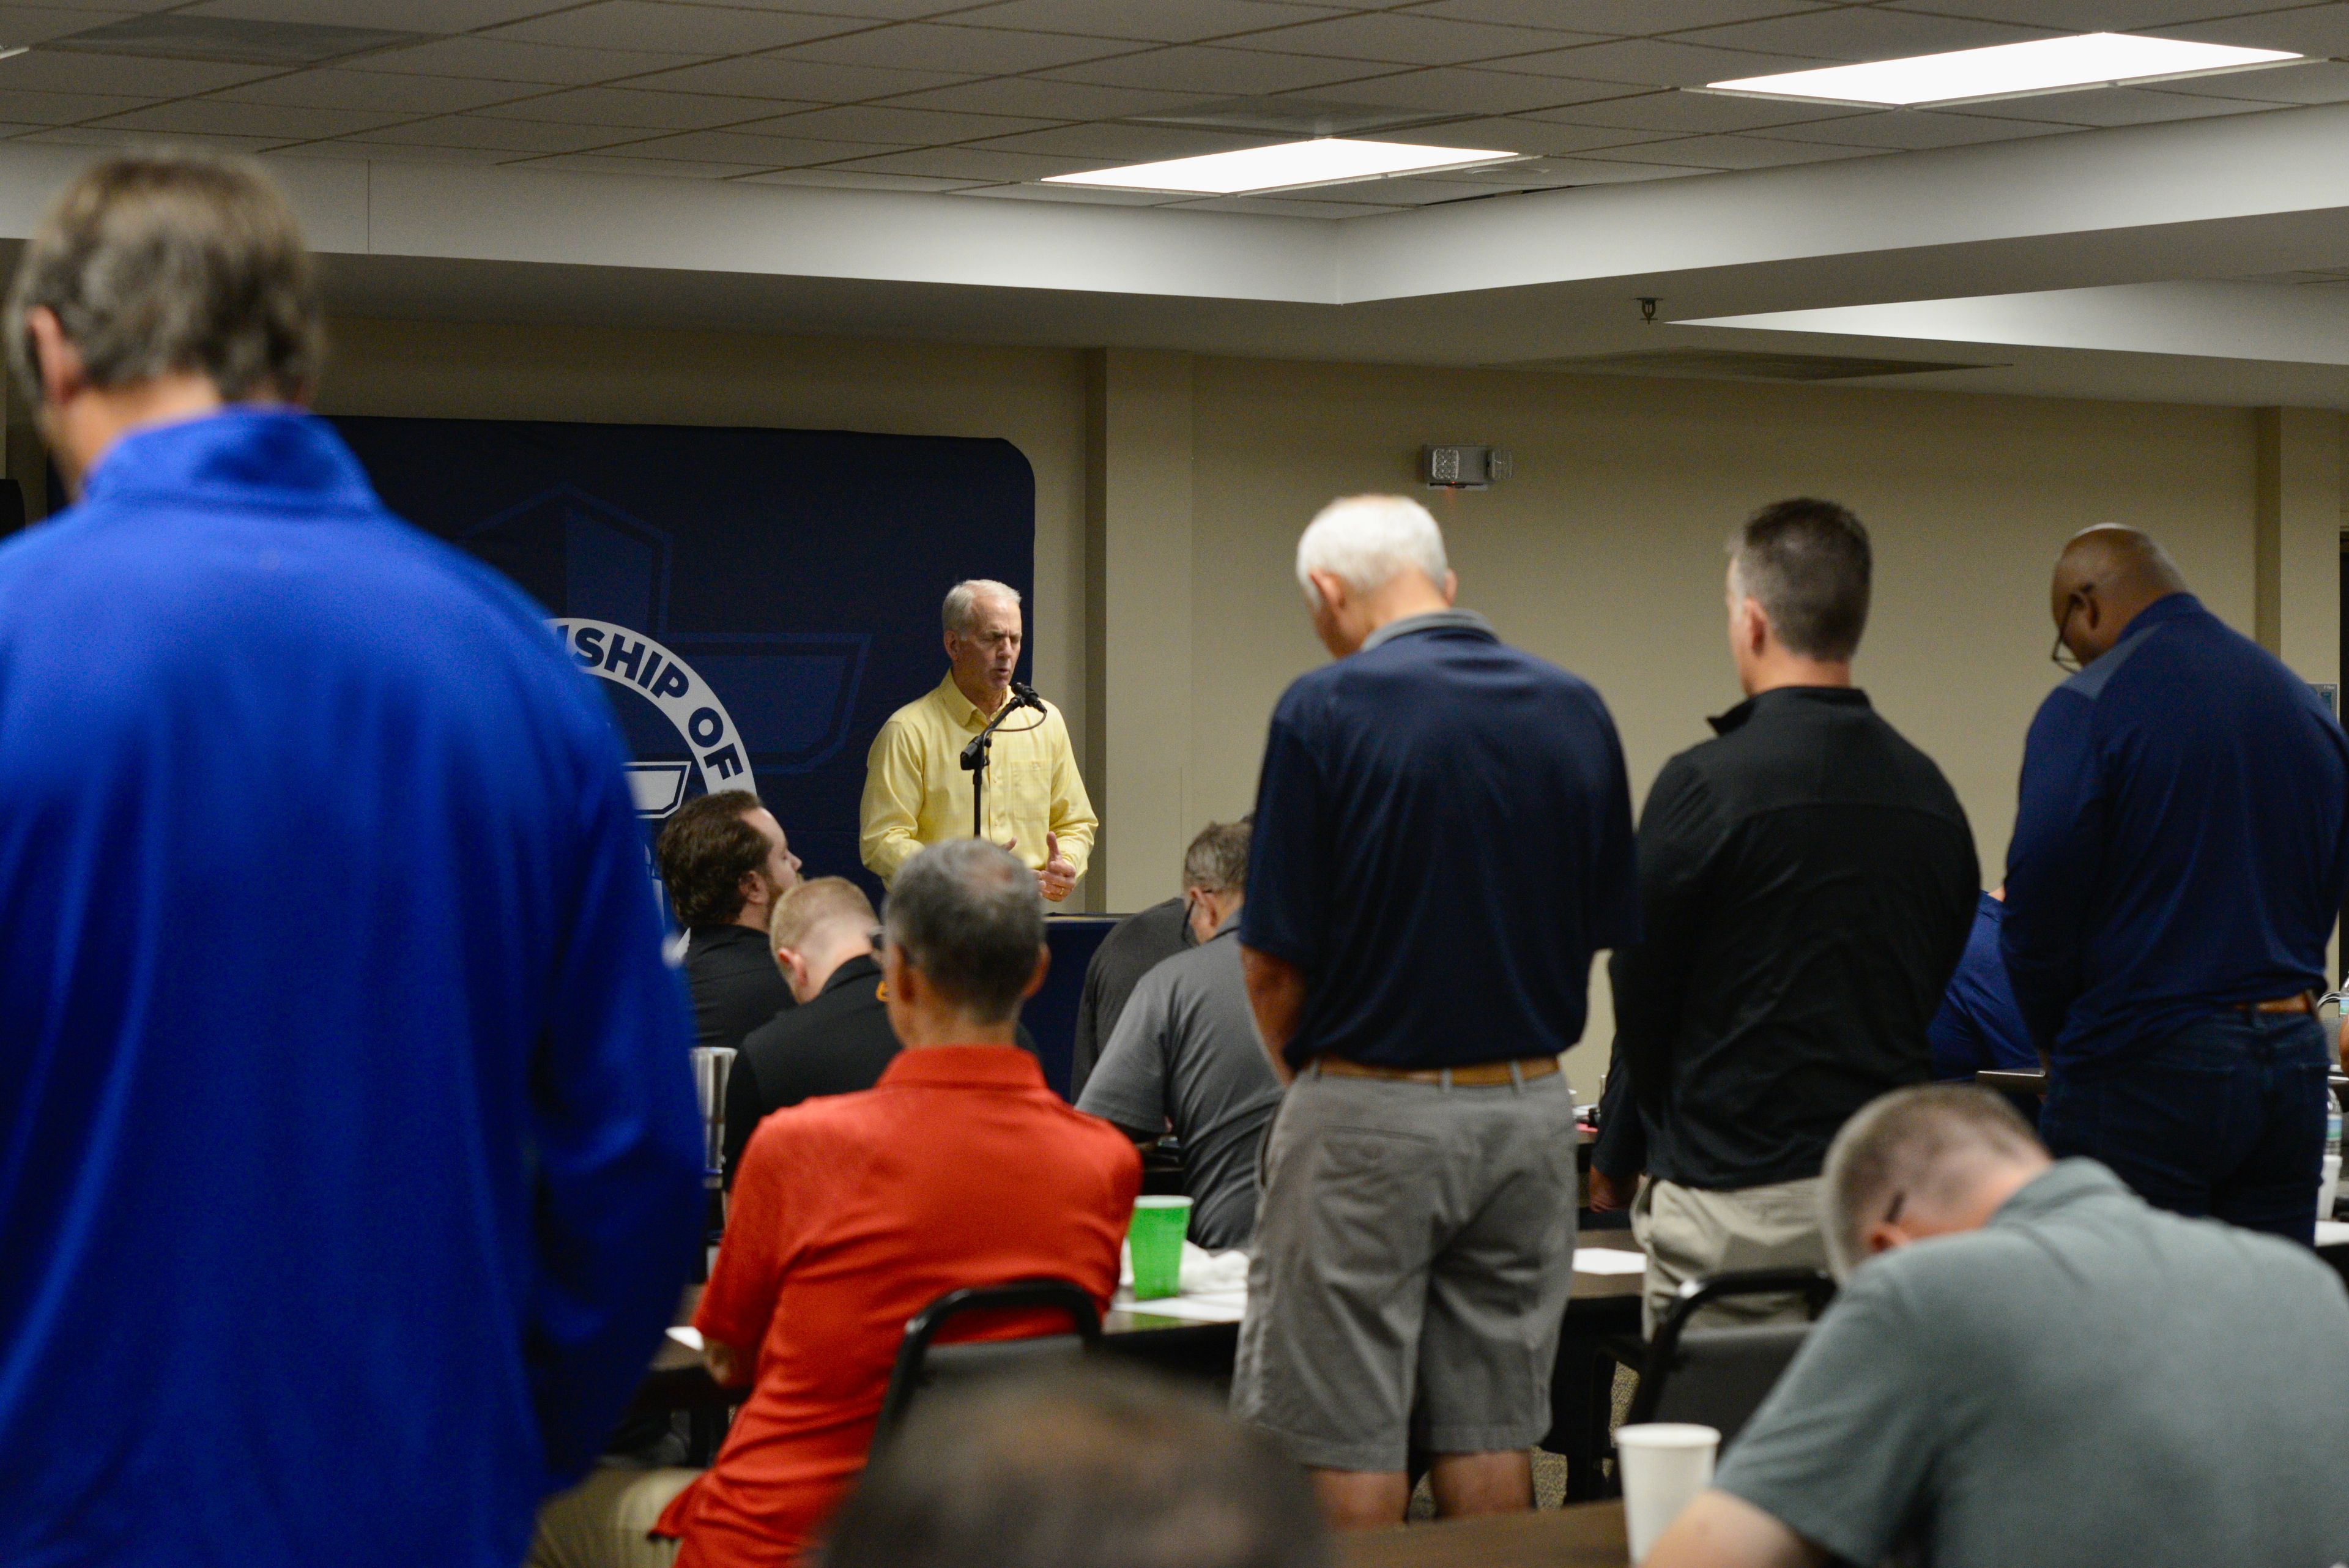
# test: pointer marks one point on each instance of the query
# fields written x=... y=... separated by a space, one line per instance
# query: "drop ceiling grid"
x=988 y=97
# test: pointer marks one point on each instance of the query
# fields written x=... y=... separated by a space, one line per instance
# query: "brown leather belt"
x=1484 y=1076
x=2304 y=1003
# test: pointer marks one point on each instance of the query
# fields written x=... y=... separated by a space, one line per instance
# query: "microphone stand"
x=976 y=755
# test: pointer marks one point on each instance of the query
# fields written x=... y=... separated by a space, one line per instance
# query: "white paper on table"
x=686 y=1336
x=1201 y=1272
x=1199 y=1306
x=1609 y=1261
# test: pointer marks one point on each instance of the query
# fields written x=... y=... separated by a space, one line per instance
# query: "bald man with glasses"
x=2180 y=857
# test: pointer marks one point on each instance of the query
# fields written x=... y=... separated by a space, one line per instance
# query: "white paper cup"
x=1664 y=1465
x=2329 y=1191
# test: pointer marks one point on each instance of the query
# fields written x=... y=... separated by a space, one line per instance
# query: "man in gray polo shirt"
x=1186 y=1050
x=2035 y=1367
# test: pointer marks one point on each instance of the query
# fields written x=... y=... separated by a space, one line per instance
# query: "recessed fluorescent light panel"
x=1286 y=166
x=2008 y=70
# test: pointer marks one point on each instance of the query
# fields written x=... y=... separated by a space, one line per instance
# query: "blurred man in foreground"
x=1084 y=1469
x=349 y=1162
x=2030 y=1368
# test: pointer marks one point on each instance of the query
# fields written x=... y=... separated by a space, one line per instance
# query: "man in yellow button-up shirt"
x=915 y=789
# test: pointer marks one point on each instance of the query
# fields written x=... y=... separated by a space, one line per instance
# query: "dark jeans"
x=2226 y=1118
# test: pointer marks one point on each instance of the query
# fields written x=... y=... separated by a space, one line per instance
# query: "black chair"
x=923 y=1364
x=1719 y=1376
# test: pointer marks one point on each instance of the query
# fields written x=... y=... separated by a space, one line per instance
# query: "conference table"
x=1580 y=1535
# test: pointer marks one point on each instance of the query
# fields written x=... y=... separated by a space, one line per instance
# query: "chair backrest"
x=923 y=1364
x=1719 y=1376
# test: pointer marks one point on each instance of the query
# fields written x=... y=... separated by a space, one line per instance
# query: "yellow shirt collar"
x=959 y=707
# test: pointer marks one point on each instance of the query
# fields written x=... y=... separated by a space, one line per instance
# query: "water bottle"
x=2331 y=1157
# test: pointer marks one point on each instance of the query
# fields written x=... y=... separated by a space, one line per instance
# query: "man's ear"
x=1885 y=1238
x=1451 y=586
x=1044 y=968
x=62 y=375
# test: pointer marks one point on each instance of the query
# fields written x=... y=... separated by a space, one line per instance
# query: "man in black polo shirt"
x=838 y=1039
x=725 y=861
x=1442 y=839
x=1806 y=882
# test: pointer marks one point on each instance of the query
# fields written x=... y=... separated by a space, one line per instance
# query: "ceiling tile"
x=136 y=6
x=61 y=107
x=634 y=106
x=1409 y=40
x=644 y=168
x=973 y=51
x=1737 y=152
x=688 y=29
x=2321 y=30
x=1103 y=145
x=1074 y=196
x=478 y=131
x=1206 y=69
x=2108 y=106
x=2087 y=15
x=1697 y=111
x=280 y=122
x=39 y=24
x=1285 y=207
x=389 y=91
x=1525 y=134
x=502 y=59
x=408 y=16
x=1658 y=62
x=774 y=77
x=867 y=10
x=1035 y=97
x=45 y=71
x=855 y=179
x=2318 y=81
x=1474 y=89
x=1630 y=17
x=745 y=147
x=393 y=152
x=972 y=163
x=1863 y=33
x=90 y=136
x=1159 y=21
x=1912 y=130
x=898 y=127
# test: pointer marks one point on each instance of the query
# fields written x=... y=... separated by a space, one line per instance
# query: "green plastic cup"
x=1155 y=1236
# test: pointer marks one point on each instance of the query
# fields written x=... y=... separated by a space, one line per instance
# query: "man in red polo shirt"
x=852 y=1212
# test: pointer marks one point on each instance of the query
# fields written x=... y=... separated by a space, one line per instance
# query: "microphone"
x=1025 y=696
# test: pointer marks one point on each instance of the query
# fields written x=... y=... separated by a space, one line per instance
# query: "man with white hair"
x=1443 y=840
x=2064 y=1376
x=916 y=791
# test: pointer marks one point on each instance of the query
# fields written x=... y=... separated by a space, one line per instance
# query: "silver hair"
x=1927 y=1146
x=961 y=607
x=1368 y=541
x=173 y=263
x=968 y=917
x=1217 y=860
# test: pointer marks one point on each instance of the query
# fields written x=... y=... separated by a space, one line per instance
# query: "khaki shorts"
x=1691 y=1234
x=1414 y=1250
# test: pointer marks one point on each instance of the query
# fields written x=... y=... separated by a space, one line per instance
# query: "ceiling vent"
x=229 y=41
x=1296 y=117
x=1746 y=365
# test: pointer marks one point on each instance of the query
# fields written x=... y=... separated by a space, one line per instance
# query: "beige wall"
x=1604 y=552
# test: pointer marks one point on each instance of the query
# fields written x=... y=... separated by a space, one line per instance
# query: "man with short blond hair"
x=837 y=1040
x=350 y=1152
x=916 y=791
x=2062 y=1378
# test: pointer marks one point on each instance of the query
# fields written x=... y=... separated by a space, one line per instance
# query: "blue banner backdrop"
x=755 y=601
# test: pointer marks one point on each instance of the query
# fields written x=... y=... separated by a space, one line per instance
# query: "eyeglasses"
x=2062 y=654
x=1892 y=1215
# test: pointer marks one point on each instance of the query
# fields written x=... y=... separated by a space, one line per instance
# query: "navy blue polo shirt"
x=2179 y=842
x=1443 y=840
